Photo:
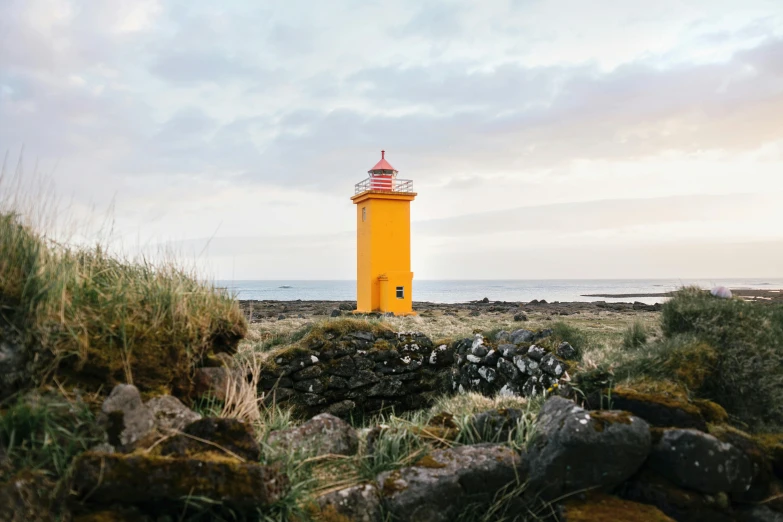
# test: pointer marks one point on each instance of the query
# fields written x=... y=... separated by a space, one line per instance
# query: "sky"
x=545 y=138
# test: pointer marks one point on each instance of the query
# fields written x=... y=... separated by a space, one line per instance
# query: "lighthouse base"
x=389 y=293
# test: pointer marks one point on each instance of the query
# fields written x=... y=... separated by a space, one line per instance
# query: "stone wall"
x=521 y=362
x=357 y=371
x=372 y=369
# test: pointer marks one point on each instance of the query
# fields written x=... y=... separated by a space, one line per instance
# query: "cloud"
x=496 y=109
x=586 y=216
x=188 y=67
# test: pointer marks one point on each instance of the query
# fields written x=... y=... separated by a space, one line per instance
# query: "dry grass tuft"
x=107 y=319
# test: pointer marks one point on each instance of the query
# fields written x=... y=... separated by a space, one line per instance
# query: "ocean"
x=511 y=290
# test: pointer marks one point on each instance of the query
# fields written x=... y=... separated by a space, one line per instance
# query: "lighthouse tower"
x=383 y=241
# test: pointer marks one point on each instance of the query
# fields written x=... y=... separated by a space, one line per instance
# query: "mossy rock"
x=226 y=437
x=598 y=507
x=752 y=446
x=163 y=484
x=661 y=411
x=773 y=446
x=112 y=515
x=25 y=497
x=711 y=411
x=680 y=504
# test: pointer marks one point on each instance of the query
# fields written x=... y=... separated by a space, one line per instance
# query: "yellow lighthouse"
x=383 y=241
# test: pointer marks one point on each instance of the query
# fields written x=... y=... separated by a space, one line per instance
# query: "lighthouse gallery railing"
x=384 y=184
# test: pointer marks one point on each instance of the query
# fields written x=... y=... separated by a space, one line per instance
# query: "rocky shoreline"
x=256 y=310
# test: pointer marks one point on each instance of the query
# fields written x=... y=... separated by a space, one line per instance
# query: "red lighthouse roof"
x=382 y=166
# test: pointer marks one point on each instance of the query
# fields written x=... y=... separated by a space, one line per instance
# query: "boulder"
x=695 y=460
x=227 y=437
x=573 y=449
x=495 y=425
x=508 y=350
x=536 y=353
x=341 y=409
x=125 y=418
x=520 y=317
x=322 y=435
x=567 y=352
x=599 y=507
x=683 y=505
x=763 y=475
x=335 y=313
x=522 y=336
x=170 y=414
x=478 y=348
x=440 y=485
x=360 y=503
x=165 y=482
x=213 y=381
x=502 y=336
x=658 y=410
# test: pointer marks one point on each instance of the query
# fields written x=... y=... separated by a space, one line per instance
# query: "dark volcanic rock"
x=217 y=435
x=496 y=425
x=696 y=460
x=522 y=336
x=212 y=381
x=573 y=449
x=683 y=505
x=440 y=485
x=360 y=503
x=567 y=352
x=170 y=413
x=536 y=352
x=321 y=435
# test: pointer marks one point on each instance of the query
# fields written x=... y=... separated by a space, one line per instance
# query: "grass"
x=44 y=433
x=97 y=319
x=635 y=336
x=725 y=350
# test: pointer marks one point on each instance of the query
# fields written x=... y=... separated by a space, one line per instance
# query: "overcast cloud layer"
x=545 y=138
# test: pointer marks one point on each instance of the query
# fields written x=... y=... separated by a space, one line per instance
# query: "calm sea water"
x=463 y=291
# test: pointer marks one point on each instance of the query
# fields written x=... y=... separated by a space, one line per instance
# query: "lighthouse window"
x=364 y=213
x=400 y=292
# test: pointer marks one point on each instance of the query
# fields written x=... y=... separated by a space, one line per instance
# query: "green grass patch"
x=45 y=433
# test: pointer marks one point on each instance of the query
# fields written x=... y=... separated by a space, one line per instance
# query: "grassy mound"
x=725 y=350
x=100 y=320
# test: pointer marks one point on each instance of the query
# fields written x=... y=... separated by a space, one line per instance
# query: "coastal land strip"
x=257 y=310
x=749 y=294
